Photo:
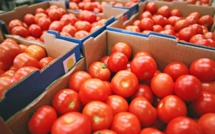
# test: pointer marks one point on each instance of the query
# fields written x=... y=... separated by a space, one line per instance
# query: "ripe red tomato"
x=20 y=30
x=124 y=83
x=68 y=19
x=4 y=84
x=150 y=130
x=105 y=131
x=143 y=67
x=66 y=100
x=40 y=10
x=99 y=70
x=176 y=69
x=45 y=61
x=117 y=61
x=151 y=7
x=54 y=14
x=81 y=34
x=72 y=123
x=77 y=78
x=126 y=123
x=36 y=51
x=196 y=37
x=206 y=123
x=117 y=103
x=164 y=11
x=144 y=111
x=159 y=20
x=146 y=24
x=93 y=89
x=56 y=26
x=175 y=12
x=87 y=16
x=209 y=35
x=83 y=25
x=171 y=107
x=69 y=29
x=44 y=23
x=38 y=16
x=186 y=33
x=145 y=14
x=142 y=53
x=157 y=28
x=123 y=47
x=180 y=24
x=187 y=87
x=25 y=59
x=99 y=113
x=192 y=18
x=73 y=6
x=42 y=120
x=203 y=69
x=29 y=19
x=209 y=86
x=197 y=28
x=144 y=91
x=206 y=20
x=13 y=23
x=172 y=20
x=182 y=125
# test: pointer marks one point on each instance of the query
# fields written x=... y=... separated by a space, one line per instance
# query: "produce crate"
x=120 y=24
x=25 y=91
x=164 y=50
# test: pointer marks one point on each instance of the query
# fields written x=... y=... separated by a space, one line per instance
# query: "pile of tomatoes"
x=193 y=28
x=96 y=6
x=195 y=2
x=120 y=94
x=55 y=18
x=18 y=60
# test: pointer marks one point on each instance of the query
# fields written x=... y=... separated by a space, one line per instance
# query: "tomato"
x=42 y=120
x=9 y=73
x=171 y=107
x=95 y=28
x=22 y=73
x=87 y=16
x=180 y=24
x=192 y=19
x=203 y=69
x=146 y=24
x=209 y=86
x=150 y=130
x=93 y=89
x=207 y=123
x=204 y=103
x=143 y=67
x=145 y=14
x=62 y=11
x=164 y=11
x=54 y=14
x=144 y=91
x=142 y=53
x=45 y=61
x=205 y=42
x=144 y=111
x=99 y=113
x=182 y=125
x=104 y=59
x=172 y=20
x=25 y=59
x=69 y=29
x=29 y=19
x=20 y=30
x=44 y=23
x=4 y=84
x=157 y=28
x=117 y=103
x=40 y=10
x=83 y=25
x=8 y=51
x=77 y=78
x=210 y=35
x=117 y=61
x=186 y=33
x=13 y=23
x=73 y=6
x=151 y=7
x=99 y=70
x=123 y=47
x=126 y=123
x=105 y=131
x=196 y=37
x=72 y=123
x=197 y=28
x=124 y=83
x=81 y=34
x=206 y=20
x=159 y=20
x=66 y=100
x=68 y=19
x=38 y=16
x=36 y=51
x=176 y=69
x=175 y=12
x=56 y=26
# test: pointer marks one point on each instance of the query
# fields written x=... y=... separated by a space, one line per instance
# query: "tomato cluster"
x=57 y=19
x=96 y=6
x=18 y=60
x=193 y=28
x=195 y=2
x=120 y=94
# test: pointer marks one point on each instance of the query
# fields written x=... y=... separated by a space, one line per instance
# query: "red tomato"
x=83 y=25
x=40 y=10
x=13 y=23
x=192 y=19
x=180 y=24
x=29 y=19
x=42 y=120
x=157 y=28
x=73 y=6
x=45 y=61
x=81 y=34
x=159 y=20
x=209 y=86
x=144 y=91
x=143 y=67
x=151 y=7
x=210 y=35
x=36 y=51
x=196 y=37
x=186 y=33
x=150 y=130
x=144 y=111
x=207 y=123
x=197 y=28
x=20 y=30
x=123 y=47
x=171 y=107
x=124 y=83
x=56 y=26
x=164 y=11
x=77 y=78
x=69 y=29
x=68 y=19
x=204 y=103
x=173 y=19
x=105 y=131
x=104 y=59
x=206 y=20
x=54 y=14
x=25 y=59
x=66 y=100
x=117 y=61
x=99 y=70
x=126 y=123
x=93 y=89
x=162 y=85
x=22 y=73
x=117 y=103
x=4 y=84
x=99 y=113
x=146 y=24
x=182 y=125
x=176 y=69
x=9 y=73
x=205 y=42
x=187 y=87
x=87 y=16
x=142 y=53
x=145 y=14
x=175 y=12
x=38 y=16
x=72 y=123
x=44 y=23
x=203 y=69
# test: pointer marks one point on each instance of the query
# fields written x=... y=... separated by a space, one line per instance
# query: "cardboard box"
x=25 y=91
x=164 y=50
x=203 y=10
